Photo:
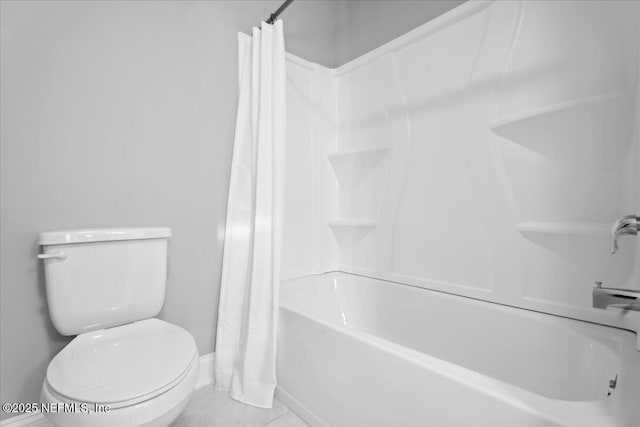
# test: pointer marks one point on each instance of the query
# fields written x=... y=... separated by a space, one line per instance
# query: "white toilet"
x=124 y=368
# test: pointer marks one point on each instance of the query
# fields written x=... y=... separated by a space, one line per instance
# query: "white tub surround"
x=486 y=154
x=355 y=351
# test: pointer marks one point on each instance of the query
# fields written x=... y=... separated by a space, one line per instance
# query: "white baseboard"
x=205 y=377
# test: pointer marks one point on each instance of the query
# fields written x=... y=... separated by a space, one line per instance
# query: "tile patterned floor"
x=209 y=407
x=212 y=408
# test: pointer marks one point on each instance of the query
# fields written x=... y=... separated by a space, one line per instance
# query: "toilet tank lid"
x=64 y=237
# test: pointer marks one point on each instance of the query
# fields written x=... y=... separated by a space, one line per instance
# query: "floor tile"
x=289 y=419
x=212 y=408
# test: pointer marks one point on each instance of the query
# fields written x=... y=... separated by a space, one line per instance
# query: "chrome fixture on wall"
x=629 y=224
x=615 y=297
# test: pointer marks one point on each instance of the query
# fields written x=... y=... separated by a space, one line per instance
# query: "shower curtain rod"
x=277 y=13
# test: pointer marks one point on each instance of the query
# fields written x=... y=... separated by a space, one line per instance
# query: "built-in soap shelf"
x=583 y=129
x=349 y=231
x=363 y=222
x=358 y=152
x=352 y=166
x=531 y=229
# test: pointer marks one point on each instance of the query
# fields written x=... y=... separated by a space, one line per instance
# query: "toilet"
x=124 y=367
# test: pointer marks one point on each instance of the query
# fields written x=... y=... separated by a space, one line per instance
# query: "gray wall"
x=364 y=25
x=121 y=114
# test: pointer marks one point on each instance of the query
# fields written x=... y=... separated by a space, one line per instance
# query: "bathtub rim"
x=630 y=328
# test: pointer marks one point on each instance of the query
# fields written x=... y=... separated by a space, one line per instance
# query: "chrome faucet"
x=629 y=224
x=615 y=297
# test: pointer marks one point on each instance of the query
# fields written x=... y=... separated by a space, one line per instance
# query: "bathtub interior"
x=558 y=358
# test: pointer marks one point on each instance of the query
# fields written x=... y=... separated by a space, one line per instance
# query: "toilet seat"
x=158 y=411
x=124 y=365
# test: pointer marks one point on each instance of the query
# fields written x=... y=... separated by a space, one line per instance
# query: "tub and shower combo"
x=449 y=202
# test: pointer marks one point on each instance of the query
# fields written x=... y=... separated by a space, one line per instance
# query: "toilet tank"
x=100 y=278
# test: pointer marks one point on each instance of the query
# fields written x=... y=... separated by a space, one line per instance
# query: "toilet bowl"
x=125 y=367
x=140 y=374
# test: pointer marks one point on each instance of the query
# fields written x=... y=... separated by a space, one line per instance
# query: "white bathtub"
x=356 y=351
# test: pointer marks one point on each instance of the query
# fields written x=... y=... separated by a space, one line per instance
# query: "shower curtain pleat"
x=245 y=357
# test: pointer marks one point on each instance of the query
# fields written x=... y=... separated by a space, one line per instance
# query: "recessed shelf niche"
x=349 y=231
x=560 y=228
x=581 y=129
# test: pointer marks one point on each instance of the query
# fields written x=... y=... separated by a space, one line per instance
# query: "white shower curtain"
x=245 y=355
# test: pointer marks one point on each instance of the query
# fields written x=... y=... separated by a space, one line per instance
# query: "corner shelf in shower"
x=352 y=166
x=349 y=231
x=595 y=130
x=588 y=229
x=360 y=222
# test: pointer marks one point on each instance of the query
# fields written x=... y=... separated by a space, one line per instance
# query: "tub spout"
x=615 y=297
x=629 y=224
